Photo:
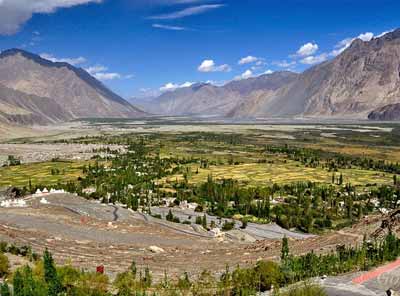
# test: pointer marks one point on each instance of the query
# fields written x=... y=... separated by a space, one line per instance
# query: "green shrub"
x=228 y=226
x=4 y=265
x=3 y=247
x=306 y=290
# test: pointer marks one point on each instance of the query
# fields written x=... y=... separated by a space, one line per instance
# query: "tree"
x=204 y=222
x=12 y=161
x=285 y=248
x=50 y=274
x=125 y=284
x=4 y=265
x=170 y=216
x=18 y=284
x=244 y=224
x=268 y=274
x=5 y=290
x=184 y=283
x=147 y=280
x=133 y=269
x=341 y=179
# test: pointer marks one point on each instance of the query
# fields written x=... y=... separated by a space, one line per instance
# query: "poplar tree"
x=285 y=248
x=50 y=275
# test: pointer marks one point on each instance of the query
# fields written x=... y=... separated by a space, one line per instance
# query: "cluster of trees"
x=304 y=205
x=128 y=178
x=47 y=279
x=229 y=139
x=343 y=260
x=333 y=161
x=12 y=161
x=308 y=206
x=131 y=178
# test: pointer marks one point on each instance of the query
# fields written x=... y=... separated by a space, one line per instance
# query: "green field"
x=258 y=174
x=40 y=173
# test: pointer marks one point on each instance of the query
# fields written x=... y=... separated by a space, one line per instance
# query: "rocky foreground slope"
x=37 y=91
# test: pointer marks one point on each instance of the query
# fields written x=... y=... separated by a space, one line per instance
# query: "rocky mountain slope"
x=386 y=113
x=19 y=107
x=365 y=77
x=37 y=91
x=209 y=100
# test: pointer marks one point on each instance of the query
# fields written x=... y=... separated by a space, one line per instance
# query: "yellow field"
x=283 y=173
x=39 y=173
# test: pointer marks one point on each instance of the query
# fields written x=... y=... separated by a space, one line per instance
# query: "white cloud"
x=268 y=71
x=71 y=61
x=172 y=86
x=284 y=64
x=312 y=60
x=96 y=69
x=210 y=66
x=148 y=93
x=187 y=1
x=245 y=75
x=384 y=33
x=345 y=43
x=249 y=59
x=187 y=12
x=167 y=27
x=107 y=76
x=14 y=13
x=101 y=73
x=366 y=36
x=307 y=49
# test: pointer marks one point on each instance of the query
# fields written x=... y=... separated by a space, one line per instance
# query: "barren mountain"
x=19 y=107
x=207 y=99
x=35 y=90
x=198 y=99
x=387 y=113
x=365 y=77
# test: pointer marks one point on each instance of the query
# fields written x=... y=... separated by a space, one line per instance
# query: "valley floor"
x=89 y=233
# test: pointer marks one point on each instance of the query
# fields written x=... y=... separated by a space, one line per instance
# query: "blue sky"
x=139 y=47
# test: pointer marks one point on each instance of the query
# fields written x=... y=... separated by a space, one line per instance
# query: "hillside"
x=363 y=78
x=387 y=113
x=37 y=91
x=209 y=100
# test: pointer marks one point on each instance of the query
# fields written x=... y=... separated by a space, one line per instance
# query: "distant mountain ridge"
x=205 y=99
x=363 y=78
x=363 y=82
x=51 y=92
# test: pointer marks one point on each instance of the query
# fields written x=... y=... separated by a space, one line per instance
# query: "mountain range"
x=34 y=90
x=356 y=84
x=205 y=99
x=362 y=82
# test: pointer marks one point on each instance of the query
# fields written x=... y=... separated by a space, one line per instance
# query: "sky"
x=141 y=48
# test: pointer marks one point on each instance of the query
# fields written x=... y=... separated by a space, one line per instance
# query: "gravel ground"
x=28 y=153
x=89 y=234
x=258 y=231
